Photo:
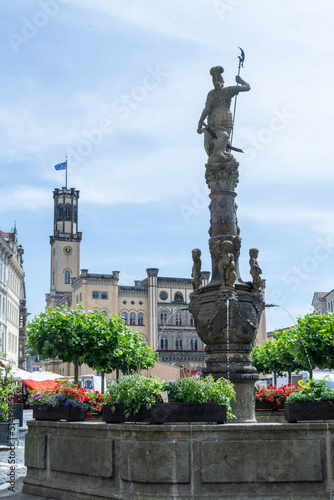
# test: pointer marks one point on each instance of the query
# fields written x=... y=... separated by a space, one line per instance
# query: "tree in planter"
x=63 y=334
x=116 y=347
x=313 y=341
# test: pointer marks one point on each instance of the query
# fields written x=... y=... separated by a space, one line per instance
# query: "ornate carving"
x=196 y=271
x=255 y=269
x=222 y=177
x=226 y=264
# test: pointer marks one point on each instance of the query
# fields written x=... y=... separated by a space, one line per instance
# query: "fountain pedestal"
x=227 y=311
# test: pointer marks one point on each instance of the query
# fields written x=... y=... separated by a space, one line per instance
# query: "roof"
x=320 y=295
x=8 y=236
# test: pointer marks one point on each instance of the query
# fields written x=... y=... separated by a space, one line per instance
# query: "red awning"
x=38 y=386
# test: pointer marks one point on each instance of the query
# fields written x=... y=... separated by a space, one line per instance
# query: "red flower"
x=89 y=415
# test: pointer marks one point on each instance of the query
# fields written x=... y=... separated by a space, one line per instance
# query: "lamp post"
x=166 y=322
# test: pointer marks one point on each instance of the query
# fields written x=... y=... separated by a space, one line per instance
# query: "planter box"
x=9 y=432
x=268 y=405
x=59 y=413
x=309 y=410
x=169 y=412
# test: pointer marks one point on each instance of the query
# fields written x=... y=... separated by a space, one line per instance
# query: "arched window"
x=140 y=319
x=104 y=313
x=178 y=298
x=67 y=277
x=178 y=319
x=191 y=320
x=179 y=344
x=163 y=318
x=194 y=344
x=164 y=344
x=68 y=212
x=125 y=317
x=132 y=319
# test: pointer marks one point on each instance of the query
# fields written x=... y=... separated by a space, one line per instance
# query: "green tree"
x=277 y=355
x=313 y=341
x=104 y=344
x=60 y=333
x=116 y=347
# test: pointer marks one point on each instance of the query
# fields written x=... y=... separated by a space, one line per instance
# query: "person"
x=217 y=110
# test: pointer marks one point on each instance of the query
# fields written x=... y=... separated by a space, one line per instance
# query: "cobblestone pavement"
x=20 y=469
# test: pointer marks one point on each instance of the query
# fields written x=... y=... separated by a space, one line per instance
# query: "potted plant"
x=65 y=403
x=314 y=401
x=272 y=398
x=148 y=399
x=9 y=427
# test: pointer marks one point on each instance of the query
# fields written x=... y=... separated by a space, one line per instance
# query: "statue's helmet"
x=216 y=73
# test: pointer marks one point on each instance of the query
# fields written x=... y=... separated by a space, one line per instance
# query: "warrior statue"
x=217 y=109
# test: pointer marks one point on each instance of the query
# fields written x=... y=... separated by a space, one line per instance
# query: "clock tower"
x=65 y=244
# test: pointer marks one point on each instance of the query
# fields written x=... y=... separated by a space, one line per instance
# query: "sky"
x=120 y=86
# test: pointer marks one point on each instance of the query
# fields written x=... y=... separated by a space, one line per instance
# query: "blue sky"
x=120 y=88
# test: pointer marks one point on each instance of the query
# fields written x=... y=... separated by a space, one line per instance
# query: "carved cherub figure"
x=196 y=271
x=255 y=269
x=226 y=264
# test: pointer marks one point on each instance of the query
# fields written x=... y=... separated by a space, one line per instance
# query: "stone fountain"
x=227 y=311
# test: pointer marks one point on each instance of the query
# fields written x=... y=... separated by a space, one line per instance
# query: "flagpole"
x=66 y=173
x=241 y=63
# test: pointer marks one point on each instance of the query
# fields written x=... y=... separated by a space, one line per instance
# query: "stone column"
x=152 y=274
x=227 y=311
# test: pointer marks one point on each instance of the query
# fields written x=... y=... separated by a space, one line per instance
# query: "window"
x=164 y=344
x=163 y=318
x=194 y=344
x=132 y=319
x=67 y=277
x=140 y=319
x=104 y=313
x=178 y=319
x=95 y=295
x=125 y=317
x=179 y=344
x=178 y=298
x=104 y=295
x=191 y=320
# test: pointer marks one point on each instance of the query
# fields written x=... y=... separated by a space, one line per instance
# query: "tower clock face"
x=68 y=250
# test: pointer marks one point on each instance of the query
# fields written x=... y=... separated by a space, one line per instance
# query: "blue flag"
x=61 y=166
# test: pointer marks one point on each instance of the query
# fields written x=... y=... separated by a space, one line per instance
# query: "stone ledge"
x=185 y=462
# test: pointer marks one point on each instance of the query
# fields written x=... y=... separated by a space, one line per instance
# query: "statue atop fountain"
x=227 y=311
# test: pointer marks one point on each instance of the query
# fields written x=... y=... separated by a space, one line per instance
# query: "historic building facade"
x=156 y=307
x=323 y=302
x=13 y=311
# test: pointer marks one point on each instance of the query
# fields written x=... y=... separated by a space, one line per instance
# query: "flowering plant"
x=275 y=394
x=69 y=396
x=312 y=390
x=7 y=388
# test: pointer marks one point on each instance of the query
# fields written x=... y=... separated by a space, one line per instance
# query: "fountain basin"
x=98 y=461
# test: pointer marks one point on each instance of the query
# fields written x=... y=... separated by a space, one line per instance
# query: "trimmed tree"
x=116 y=347
x=313 y=341
x=60 y=333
